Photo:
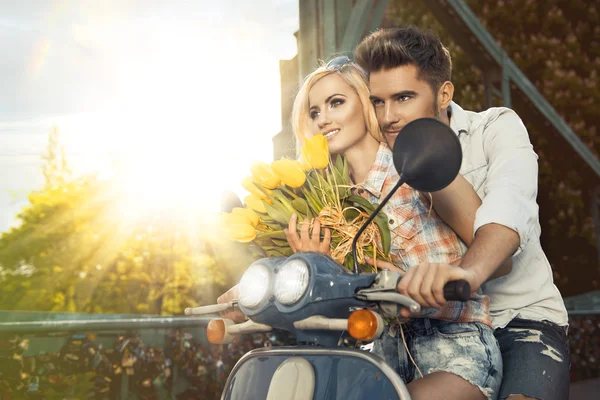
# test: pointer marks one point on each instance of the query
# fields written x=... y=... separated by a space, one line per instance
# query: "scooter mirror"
x=427 y=154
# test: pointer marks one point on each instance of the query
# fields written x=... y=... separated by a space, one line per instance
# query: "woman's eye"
x=337 y=102
x=377 y=102
x=314 y=114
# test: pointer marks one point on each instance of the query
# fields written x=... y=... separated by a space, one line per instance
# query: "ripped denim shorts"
x=466 y=349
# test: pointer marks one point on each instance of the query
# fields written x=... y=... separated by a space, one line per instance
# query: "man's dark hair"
x=391 y=48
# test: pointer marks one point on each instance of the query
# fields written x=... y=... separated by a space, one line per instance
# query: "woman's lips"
x=331 y=134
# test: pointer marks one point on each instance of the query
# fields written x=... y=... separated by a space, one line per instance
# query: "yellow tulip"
x=255 y=203
x=237 y=226
x=249 y=185
x=290 y=172
x=243 y=233
x=315 y=152
x=305 y=166
x=250 y=215
x=233 y=219
x=263 y=174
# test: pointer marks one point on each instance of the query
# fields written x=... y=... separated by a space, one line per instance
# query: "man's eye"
x=403 y=98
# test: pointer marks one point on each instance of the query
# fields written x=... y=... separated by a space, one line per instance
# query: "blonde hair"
x=353 y=76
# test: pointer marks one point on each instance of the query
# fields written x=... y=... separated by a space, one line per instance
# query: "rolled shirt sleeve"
x=510 y=189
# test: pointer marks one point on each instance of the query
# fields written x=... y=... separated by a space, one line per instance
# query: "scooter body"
x=312 y=296
x=309 y=372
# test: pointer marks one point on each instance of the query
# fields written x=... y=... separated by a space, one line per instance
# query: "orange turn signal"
x=365 y=325
x=216 y=330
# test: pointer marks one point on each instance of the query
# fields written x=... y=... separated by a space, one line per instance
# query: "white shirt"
x=499 y=161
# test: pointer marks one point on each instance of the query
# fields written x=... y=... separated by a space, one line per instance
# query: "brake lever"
x=385 y=281
x=212 y=309
x=390 y=297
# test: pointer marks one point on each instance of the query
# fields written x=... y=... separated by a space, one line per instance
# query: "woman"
x=453 y=345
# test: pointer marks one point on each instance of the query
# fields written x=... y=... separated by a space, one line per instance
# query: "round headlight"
x=254 y=286
x=291 y=281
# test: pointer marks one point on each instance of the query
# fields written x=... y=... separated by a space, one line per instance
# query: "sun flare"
x=188 y=121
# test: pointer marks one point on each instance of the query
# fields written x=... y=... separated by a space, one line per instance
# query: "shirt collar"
x=378 y=171
x=459 y=121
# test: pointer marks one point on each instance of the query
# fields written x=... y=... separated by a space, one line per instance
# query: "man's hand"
x=306 y=242
x=227 y=297
x=425 y=283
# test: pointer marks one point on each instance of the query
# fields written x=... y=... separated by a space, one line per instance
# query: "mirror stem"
x=371 y=218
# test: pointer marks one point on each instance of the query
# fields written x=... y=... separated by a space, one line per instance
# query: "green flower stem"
x=284 y=188
x=253 y=243
x=314 y=192
x=312 y=202
x=284 y=201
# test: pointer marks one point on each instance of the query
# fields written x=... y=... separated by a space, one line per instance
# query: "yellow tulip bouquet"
x=313 y=187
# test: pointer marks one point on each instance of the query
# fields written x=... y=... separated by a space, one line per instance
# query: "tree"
x=55 y=170
x=76 y=250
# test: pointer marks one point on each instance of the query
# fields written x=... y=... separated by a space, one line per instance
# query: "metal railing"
x=41 y=351
x=67 y=338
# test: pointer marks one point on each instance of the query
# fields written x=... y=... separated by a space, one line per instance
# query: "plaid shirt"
x=419 y=235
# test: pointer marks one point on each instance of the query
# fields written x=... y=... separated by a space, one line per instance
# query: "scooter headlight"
x=254 y=286
x=291 y=281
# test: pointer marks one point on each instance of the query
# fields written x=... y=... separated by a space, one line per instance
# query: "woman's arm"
x=457 y=205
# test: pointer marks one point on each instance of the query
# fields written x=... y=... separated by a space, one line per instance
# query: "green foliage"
x=556 y=43
x=55 y=170
x=77 y=250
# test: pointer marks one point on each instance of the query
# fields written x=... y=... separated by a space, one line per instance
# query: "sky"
x=187 y=92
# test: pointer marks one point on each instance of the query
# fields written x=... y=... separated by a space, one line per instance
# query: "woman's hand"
x=228 y=297
x=306 y=242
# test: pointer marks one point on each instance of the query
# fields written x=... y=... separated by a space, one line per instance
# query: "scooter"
x=314 y=297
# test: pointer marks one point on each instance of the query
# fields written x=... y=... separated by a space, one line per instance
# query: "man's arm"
x=505 y=221
x=509 y=212
x=457 y=205
x=493 y=245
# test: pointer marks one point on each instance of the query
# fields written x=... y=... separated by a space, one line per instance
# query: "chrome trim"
x=397 y=298
x=248 y=327
x=323 y=323
x=372 y=358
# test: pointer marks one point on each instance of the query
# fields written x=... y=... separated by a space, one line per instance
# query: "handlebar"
x=212 y=309
x=457 y=290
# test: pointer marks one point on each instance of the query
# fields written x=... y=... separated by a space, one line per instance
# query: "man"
x=410 y=72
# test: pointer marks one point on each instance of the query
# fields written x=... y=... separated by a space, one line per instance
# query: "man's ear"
x=445 y=95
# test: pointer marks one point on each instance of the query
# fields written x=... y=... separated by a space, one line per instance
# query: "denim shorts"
x=536 y=359
x=466 y=349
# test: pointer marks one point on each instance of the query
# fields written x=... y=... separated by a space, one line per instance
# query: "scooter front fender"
x=337 y=374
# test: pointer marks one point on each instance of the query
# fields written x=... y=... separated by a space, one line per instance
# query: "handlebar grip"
x=457 y=290
x=212 y=309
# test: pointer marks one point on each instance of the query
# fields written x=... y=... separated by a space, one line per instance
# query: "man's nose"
x=390 y=115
